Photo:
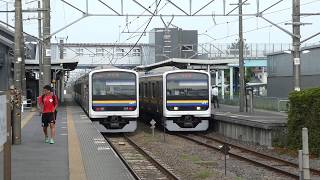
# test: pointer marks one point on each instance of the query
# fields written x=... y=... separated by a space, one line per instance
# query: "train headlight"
x=99 y=109
x=176 y=108
x=198 y=108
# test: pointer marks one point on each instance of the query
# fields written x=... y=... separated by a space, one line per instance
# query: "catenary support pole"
x=241 y=63
x=46 y=43
x=16 y=126
x=296 y=43
x=40 y=55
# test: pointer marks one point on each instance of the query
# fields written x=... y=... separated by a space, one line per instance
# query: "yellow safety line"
x=76 y=167
x=27 y=119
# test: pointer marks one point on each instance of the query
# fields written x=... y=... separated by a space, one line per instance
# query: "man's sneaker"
x=51 y=141
x=46 y=140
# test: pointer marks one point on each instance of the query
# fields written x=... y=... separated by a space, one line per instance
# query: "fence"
x=261 y=102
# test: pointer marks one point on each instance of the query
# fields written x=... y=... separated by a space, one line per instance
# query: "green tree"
x=233 y=49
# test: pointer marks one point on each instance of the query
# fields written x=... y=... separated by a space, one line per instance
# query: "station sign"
x=3 y=119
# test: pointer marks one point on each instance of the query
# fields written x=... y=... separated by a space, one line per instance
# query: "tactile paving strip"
x=100 y=161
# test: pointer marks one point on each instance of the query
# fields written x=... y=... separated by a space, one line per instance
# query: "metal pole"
x=23 y=71
x=16 y=126
x=164 y=130
x=241 y=64
x=305 y=153
x=300 y=159
x=222 y=84
x=7 y=15
x=231 y=83
x=251 y=100
x=190 y=6
x=296 y=43
x=217 y=77
x=62 y=87
x=46 y=45
x=225 y=163
x=7 y=145
x=40 y=51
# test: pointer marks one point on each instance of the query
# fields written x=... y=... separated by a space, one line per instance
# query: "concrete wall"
x=178 y=38
x=280 y=72
x=5 y=68
x=281 y=86
x=256 y=135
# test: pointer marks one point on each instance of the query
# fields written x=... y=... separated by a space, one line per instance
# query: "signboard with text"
x=3 y=119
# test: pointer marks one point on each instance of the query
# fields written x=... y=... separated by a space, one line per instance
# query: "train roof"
x=162 y=70
x=105 y=67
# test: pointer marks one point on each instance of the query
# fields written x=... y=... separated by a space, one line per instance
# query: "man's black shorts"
x=48 y=118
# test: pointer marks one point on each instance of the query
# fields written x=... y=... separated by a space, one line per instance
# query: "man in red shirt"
x=48 y=105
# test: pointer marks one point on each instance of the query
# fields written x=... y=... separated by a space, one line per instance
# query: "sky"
x=211 y=29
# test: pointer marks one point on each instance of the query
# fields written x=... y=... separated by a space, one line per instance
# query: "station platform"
x=79 y=153
x=260 y=127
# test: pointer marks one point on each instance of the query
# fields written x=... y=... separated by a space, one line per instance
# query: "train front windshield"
x=114 y=91
x=187 y=91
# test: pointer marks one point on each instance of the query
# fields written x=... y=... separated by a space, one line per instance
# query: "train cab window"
x=113 y=85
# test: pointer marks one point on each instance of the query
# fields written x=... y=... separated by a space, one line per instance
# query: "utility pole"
x=40 y=51
x=296 y=43
x=16 y=126
x=46 y=43
x=241 y=63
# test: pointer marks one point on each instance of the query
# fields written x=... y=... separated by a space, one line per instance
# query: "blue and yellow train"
x=111 y=96
x=178 y=99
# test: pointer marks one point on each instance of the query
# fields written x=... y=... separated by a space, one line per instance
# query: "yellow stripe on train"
x=187 y=101
x=114 y=102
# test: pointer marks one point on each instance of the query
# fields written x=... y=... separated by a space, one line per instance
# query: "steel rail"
x=314 y=171
x=164 y=170
x=134 y=174
x=242 y=158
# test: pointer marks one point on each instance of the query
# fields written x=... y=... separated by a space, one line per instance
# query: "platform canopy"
x=185 y=63
x=61 y=64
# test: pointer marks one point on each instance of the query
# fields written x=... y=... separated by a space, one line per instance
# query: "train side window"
x=145 y=90
x=158 y=89
x=149 y=90
x=153 y=90
x=140 y=90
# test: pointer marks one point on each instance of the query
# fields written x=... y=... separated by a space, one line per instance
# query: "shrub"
x=304 y=111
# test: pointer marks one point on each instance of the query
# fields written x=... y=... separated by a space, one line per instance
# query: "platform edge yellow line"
x=76 y=167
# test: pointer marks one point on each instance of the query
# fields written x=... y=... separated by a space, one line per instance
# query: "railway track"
x=139 y=162
x=272 y=163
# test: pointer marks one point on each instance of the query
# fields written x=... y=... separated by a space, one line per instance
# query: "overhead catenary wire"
x=251 y=30
x=248 y=18
x=144 y=31
x=100 y=60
